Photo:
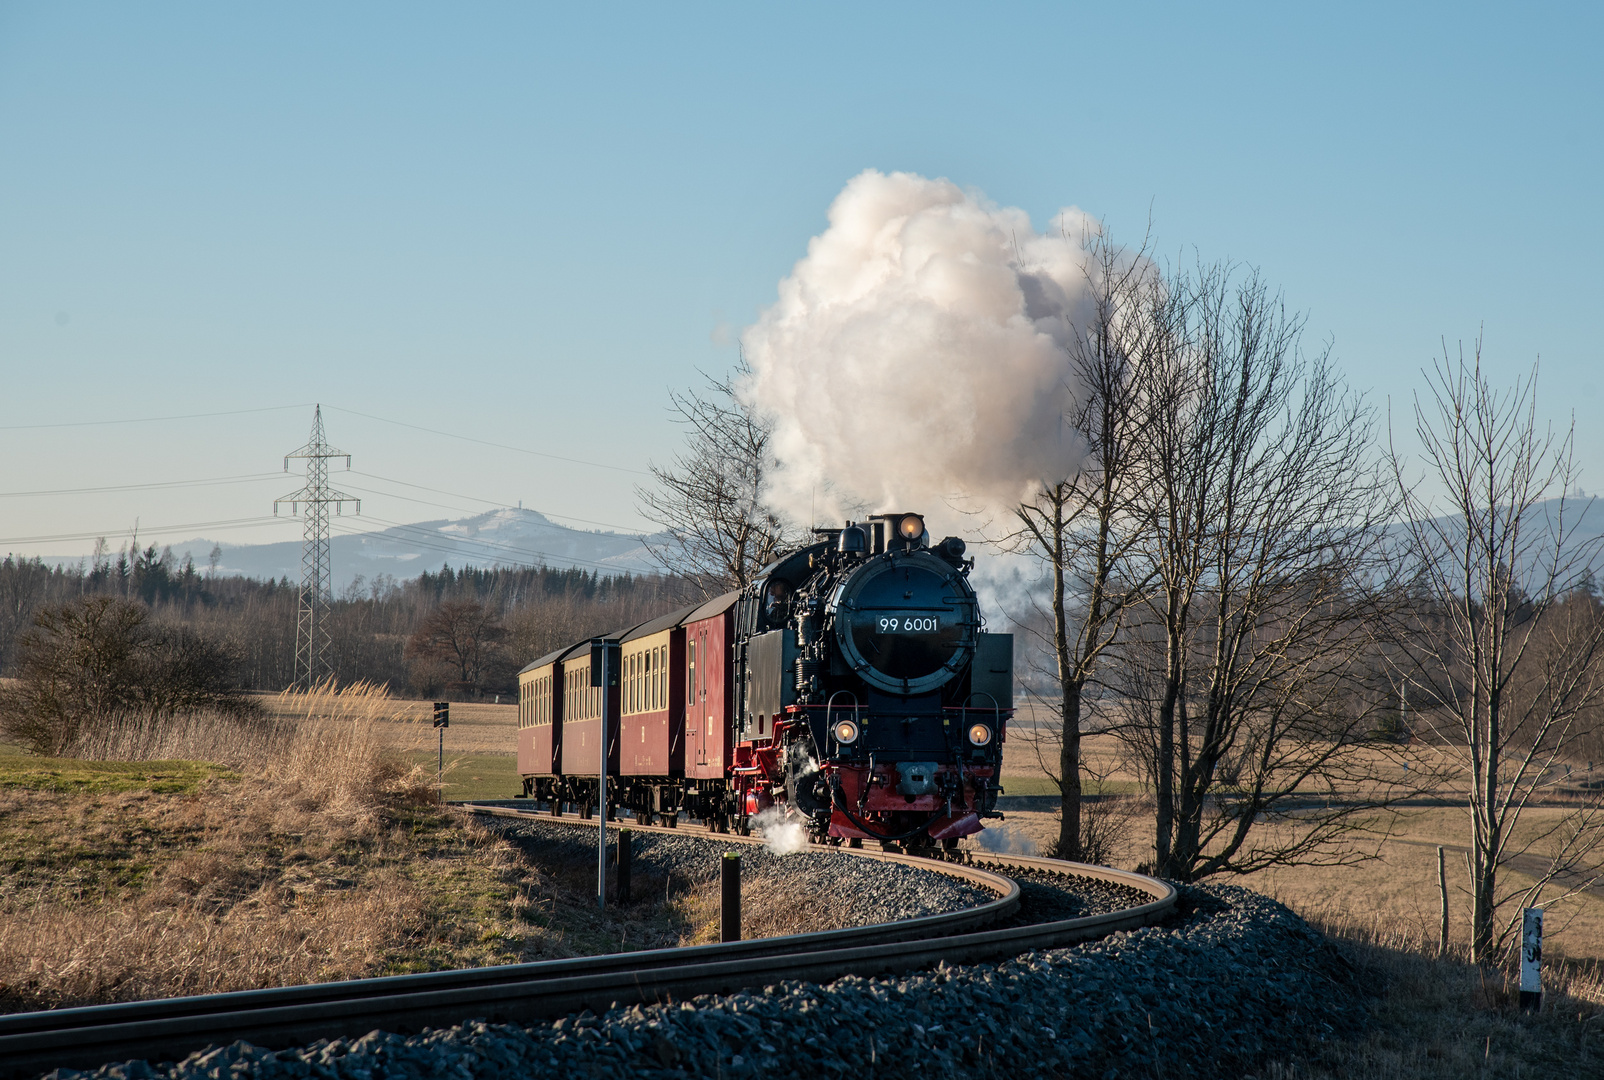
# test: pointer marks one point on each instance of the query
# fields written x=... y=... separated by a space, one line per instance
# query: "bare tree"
x=463 y=637
x=22 y=587
x=1245 y=677
x=709 y=502
x=1082 y=526
x=1505 y=659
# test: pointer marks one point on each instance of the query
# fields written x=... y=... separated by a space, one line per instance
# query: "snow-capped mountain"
x=509 y=537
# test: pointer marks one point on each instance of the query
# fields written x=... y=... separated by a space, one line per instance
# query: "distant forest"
x=407 y=635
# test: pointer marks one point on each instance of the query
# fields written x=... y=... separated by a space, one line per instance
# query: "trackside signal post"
x=442 y=720
x=604 y=654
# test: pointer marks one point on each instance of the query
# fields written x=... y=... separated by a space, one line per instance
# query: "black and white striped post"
x=1531 y=959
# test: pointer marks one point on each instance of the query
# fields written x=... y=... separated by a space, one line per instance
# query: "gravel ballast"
x=1048 y=897
x=834 y=889
x=1234 y=979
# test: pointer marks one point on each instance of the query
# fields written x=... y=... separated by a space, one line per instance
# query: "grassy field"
x=480 y=745
x=315 y=853
x=322 y=855
x=475 y=776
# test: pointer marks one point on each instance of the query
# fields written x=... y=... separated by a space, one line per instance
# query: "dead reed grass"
x=167 y=944
x=332 y=748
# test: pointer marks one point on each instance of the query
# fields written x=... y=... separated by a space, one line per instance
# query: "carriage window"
x=690 y=672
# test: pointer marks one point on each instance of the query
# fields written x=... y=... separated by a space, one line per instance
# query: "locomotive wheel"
x=950 y=845
x=743 y=826
x=855 y=841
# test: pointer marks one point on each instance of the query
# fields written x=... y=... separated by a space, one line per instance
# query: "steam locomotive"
x=849 y=685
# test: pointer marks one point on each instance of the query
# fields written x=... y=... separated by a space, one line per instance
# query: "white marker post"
x=1531 y=959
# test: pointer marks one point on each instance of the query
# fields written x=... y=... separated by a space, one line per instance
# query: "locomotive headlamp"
x=846 y=732
x=980 y=734
x=912 y=527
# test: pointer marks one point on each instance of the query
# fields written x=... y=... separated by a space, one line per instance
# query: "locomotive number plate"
x=910 y=624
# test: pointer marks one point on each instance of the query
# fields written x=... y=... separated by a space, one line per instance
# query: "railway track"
x=169 y=1029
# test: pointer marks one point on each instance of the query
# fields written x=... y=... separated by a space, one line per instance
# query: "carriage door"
x=696 y=696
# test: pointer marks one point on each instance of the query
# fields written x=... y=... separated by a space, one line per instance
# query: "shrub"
x=99 y=664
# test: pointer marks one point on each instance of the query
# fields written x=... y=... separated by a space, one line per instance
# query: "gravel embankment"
x=1234 y=979
x=836 y=890
x=1049 y=897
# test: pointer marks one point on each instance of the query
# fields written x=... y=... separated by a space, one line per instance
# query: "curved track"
x=169 y=1029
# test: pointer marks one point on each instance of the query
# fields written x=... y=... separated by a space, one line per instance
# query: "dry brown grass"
x=1444 y=1018
x=311 y=851
x=137 y=894
x=330 y=748
x=1398 y=887
x=1433 y=1018
x=477 y=727
x=308 y=855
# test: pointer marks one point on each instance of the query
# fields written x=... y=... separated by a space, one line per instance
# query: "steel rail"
x=31 y=1043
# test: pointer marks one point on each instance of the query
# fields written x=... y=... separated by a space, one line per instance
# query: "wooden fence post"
x=730 y=929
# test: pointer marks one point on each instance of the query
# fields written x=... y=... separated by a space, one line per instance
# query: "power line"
x=627 y=531
x=486 y=442
x=336 y=408
x=415 y=499
x=241 y=479
x=426 y=538
x=474 y=498
x=228 y=523
x=147 y=419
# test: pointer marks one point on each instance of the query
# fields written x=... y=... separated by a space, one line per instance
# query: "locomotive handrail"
x=996 y=709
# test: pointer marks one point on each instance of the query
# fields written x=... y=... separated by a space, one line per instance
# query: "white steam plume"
x=917 y=356
x=783 y=833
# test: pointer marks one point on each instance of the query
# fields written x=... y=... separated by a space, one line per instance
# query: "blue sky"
x=524 y=223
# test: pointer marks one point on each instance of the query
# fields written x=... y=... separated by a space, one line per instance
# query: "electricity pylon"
x=311 y=624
